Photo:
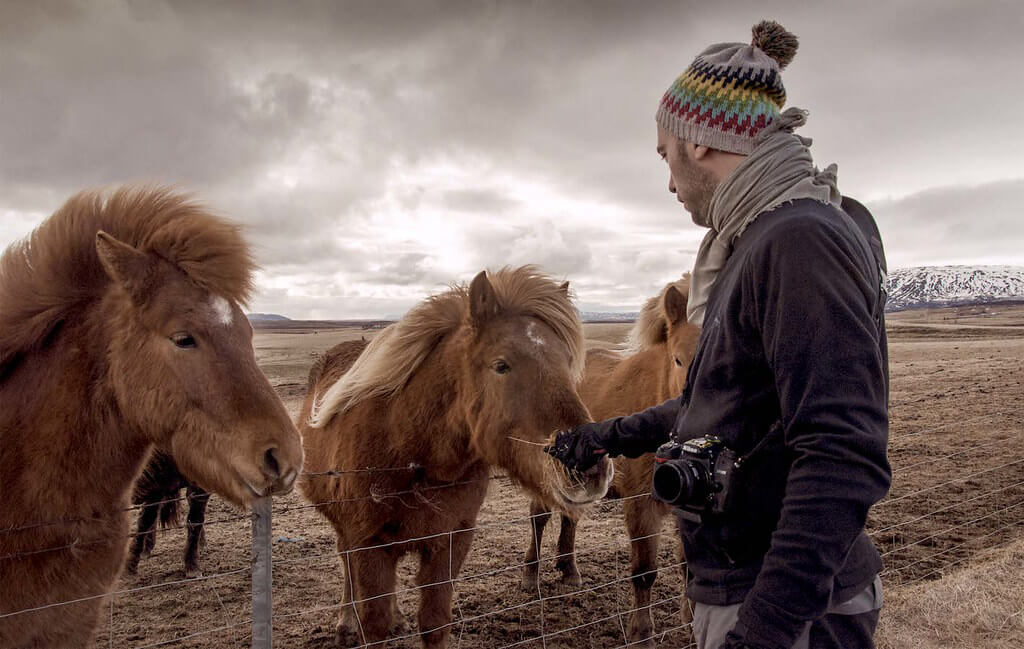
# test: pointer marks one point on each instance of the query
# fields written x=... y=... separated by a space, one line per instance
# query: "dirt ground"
x=957 y=432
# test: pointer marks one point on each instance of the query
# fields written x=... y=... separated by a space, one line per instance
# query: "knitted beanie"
x=731 y=91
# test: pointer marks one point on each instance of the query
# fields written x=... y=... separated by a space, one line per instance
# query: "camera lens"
x=680 y=483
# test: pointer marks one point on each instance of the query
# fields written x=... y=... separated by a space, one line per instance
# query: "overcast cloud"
x=377 y=151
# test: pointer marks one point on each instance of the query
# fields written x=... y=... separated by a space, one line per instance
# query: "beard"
x=701 y=187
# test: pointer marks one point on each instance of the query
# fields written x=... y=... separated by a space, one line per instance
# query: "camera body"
x=694 y=476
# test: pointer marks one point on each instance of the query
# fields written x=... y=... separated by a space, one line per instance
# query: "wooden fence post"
x=262 y=607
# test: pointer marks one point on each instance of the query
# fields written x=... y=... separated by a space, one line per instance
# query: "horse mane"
x=651 y=327
x=390 y=360
x=54 y=273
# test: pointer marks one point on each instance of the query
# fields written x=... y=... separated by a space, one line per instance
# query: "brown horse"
x=470 y=379
x=120 y=328
x=662 y=343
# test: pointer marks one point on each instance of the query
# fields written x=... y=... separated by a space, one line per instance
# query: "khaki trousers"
x=847 y=625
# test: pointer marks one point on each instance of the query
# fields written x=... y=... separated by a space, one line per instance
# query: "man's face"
x=692 y=184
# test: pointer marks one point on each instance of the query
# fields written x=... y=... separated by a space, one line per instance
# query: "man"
x=790 y=371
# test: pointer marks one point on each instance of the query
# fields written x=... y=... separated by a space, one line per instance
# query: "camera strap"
x=774 y=433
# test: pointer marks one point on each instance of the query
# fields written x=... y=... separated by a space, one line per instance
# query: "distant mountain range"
x=609 y=316
x=921 y=287
x=909 y=288
x=266 y=317
x=933 y=286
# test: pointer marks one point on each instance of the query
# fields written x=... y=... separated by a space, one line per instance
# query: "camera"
x=694 y=476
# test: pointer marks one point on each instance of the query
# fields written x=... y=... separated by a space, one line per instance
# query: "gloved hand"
x=580 y=448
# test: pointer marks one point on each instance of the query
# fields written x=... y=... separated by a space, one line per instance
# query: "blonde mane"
x=54 y=273
x=651 y=327
x=390 y=360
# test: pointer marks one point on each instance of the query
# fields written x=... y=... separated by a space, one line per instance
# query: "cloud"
x=542 y=243
x=955 y=225
x=378 y=151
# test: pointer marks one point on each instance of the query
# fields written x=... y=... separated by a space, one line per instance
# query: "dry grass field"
x=951 y=529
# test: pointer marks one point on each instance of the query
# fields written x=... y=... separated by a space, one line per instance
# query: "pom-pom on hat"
x=731 y=91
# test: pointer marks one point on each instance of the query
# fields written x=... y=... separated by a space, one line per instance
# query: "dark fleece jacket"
x=793 y=346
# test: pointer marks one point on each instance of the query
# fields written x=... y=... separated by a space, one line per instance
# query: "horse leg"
x=348 y=625
x=539 y=516
x=440 y=563
x=197 y=500
x=643 y=521
x=145 y=530
x=72 y=631
x=567 y=552
x=373 y=576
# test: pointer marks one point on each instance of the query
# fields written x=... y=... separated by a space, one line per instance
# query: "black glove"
x=580 y=448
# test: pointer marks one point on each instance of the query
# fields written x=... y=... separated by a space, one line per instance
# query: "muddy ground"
x=957 y=433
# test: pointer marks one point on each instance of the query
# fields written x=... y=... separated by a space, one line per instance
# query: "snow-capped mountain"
x=923 y=286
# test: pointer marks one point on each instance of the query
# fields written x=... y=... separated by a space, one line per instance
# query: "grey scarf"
x=779 y=170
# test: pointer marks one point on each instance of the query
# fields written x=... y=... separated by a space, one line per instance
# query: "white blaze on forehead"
x=222 y=309
x=531 y=333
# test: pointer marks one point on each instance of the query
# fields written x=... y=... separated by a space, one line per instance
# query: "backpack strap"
x=862 y=218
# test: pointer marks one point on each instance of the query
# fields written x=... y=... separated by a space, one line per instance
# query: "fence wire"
x=464 y=621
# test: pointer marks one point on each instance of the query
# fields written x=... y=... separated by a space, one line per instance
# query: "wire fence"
x=943 y=509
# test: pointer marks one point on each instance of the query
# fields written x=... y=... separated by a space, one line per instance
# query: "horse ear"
x=675 y=305
x=565 y=287
x=124 y=264
x=483 y=301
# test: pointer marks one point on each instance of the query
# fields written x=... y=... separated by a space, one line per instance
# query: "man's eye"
x=183 y=340
x=501 y=367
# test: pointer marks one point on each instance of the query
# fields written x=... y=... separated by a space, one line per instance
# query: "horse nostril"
x=271 y=467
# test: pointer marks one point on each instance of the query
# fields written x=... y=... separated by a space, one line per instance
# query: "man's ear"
x=125 y=265
x=697 y=151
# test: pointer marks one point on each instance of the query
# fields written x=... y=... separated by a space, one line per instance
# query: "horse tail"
x=169 y=513
x=159 y=486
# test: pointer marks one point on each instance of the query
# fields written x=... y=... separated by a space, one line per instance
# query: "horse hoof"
x=192 y=573
x=345 y=636
x=530 y=583
x=642 y=638
x=574 y=580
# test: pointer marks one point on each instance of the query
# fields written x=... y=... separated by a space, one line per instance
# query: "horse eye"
x=501 y=367
x=679 y=363
x=183 y=340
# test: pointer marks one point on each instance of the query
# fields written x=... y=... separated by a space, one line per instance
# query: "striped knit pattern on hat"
x=729 y=94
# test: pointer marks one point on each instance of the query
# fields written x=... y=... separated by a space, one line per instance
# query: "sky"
x=378 y=151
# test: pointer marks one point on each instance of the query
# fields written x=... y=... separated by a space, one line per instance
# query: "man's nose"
x=671 y=185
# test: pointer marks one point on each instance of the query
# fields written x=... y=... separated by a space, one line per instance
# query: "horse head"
x=521 y=363
x=680 y=336
x=184 y=374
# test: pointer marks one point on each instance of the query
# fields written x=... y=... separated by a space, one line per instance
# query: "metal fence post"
x=262 y=608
